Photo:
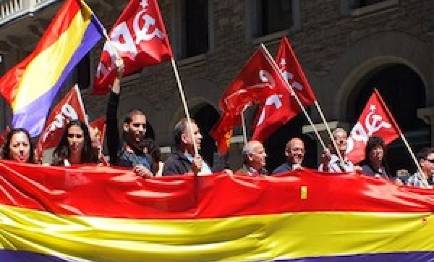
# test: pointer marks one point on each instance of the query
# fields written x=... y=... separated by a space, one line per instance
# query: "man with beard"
x=131 y=153
x=294 y=153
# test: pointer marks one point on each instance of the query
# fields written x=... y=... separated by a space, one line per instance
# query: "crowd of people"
x=132 y=149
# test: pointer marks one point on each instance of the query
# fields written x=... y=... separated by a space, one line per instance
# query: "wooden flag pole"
x=243 y=123
x=297 y=99
x=184 y=103
x=329 y=131
x=402 y=136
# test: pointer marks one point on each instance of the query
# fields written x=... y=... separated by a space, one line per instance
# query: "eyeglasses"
x=430 y=160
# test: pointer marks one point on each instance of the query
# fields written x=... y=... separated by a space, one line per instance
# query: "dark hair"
x=179 y=129
x=6 y=147
x=62 y=151
x=373 y=142
x=129 y=116
x=424 y=152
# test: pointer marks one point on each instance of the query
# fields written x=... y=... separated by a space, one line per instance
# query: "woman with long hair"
x=75 y=146
x=18 y=146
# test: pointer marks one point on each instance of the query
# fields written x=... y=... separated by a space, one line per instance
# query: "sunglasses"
x=430 y=160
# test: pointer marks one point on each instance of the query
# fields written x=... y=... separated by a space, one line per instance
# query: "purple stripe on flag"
x=23 y=256
x=378 y=257
x=33 y=116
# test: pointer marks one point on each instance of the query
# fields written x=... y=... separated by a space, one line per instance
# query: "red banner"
x=375 y=120
x=139 y=37
x=121 y=193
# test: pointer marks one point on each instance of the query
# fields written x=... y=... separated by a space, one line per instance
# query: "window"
x=362 y=3
x=273 y=16
x=192 y=32
x=362 y=7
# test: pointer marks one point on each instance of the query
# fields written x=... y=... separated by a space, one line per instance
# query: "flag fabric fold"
x=104 y=214
x=31 y=85
x=257 y=80
x=375 y=120
x=139 y=37
x=279 y=108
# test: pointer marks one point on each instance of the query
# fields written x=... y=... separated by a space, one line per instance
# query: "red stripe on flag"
x=108 y=192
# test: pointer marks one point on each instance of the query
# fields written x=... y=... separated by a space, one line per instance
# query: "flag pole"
x=243 y=122
x=407 y=145
x=329 y=131
x=297 y=99
x=184 y=104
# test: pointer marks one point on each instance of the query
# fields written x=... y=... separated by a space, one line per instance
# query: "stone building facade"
x=346 y=47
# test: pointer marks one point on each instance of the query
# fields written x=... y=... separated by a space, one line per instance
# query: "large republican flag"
x=375 y=120
x=31 y=86
x=103 y=214
x=257 y=80
x=139 y=37
x=279 y=108
x=69 y=108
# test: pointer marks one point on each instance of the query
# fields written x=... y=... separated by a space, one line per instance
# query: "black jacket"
x=177 y=164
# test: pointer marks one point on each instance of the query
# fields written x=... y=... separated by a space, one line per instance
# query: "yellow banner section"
x=247 y=238
x=43 y=72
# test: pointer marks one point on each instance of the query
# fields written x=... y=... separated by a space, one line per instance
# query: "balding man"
x=294 y=152
x=253 y=159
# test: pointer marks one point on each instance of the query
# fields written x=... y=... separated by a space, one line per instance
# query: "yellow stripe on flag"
x=246 y=238
x=44 y=70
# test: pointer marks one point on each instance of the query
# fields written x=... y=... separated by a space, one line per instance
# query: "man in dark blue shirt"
x=294 y=153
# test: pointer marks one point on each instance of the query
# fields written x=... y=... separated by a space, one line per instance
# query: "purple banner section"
x=21 y=256
x=33 y=116
x=386 y=257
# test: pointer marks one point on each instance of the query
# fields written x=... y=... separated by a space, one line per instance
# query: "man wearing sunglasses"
x=426 y=162
x=131 y=153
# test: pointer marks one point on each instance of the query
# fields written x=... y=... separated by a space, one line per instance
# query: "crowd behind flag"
x=70 y=36
x=139 y=37
x=69 y=108
x=280 y=107
x=256 y=81
x=375 y=120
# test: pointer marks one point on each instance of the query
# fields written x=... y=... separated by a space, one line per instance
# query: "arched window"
x=206 y=116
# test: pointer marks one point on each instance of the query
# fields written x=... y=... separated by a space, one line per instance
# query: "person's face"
x=257 y=156
x=427 y=165
x=341 y=141
x=376 y=154
x=75 y=138
x=136 y=128
x=19 y=148
x=186 y=137
x=295 y=151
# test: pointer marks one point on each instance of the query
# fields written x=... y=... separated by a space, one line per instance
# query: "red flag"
x=375 y=120
x=257 y=80
x=140 y=38
x=69 y=108
x=98 y=125
x=280 y=108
